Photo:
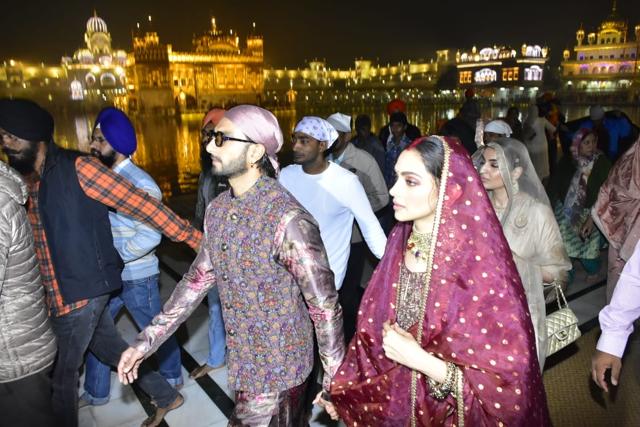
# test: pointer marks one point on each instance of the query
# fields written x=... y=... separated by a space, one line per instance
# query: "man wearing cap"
x=358 y=161
x=333 y=195
x=386 y=133
x=209 y=187
x=263 y=251
x=70 y=194
x=345 y=154
x=113 y=142
x=496 y=129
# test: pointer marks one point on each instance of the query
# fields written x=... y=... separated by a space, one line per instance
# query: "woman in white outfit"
x=528 y=222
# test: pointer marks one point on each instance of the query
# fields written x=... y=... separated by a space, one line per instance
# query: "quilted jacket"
x=27 y=342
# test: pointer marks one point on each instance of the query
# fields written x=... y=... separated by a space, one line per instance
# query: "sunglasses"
x=219 y=138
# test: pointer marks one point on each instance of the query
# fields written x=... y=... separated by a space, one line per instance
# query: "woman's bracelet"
x=441 y=390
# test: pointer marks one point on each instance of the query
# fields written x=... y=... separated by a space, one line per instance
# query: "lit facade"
x=96 y=71
x=606 y=61
x=37 y=81
x=218 y=71
x=361 y=79
x=503 y=67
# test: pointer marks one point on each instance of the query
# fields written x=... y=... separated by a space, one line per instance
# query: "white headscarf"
x=317 y=128
x=500 y=127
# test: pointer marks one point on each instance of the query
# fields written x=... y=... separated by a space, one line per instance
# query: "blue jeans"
x=142 y=299
x=216 y=330
x=92 y=327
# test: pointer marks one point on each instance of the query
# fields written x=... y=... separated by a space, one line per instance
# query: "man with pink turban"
x=264 y=253
x=209 y=187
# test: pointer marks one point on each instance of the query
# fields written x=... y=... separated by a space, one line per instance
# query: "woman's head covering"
x=475 y=315
x=259 y=125
x=578 y=137
x=618 y=206
x=317 y=128
x=576 y=197
x=500 y=127
x=117 y=129
x=512 y=154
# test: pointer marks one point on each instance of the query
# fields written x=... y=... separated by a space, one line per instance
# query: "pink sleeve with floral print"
x=302 y=253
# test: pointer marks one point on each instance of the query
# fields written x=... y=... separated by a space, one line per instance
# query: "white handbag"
x=562 y=325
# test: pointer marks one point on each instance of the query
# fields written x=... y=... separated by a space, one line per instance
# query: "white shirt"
x=616 y=319
x=334 y=198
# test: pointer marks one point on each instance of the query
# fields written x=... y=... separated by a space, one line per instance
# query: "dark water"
x=168 y=148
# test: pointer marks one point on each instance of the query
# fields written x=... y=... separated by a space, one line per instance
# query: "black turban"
x=26 y=119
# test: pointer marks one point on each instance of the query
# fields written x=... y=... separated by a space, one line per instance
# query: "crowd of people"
x=469 y=228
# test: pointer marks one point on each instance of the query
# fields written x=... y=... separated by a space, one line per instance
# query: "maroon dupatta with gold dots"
x=475 y=315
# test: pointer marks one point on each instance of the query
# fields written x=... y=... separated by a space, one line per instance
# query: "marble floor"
x=205 y=405
x=125 y=409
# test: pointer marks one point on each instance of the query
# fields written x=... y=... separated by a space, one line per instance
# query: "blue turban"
x=117 y=130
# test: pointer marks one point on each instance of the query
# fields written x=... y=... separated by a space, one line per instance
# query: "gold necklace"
x=419 y=244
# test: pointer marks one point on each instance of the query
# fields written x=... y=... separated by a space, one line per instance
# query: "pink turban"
x=213 y=116
x=259 y=125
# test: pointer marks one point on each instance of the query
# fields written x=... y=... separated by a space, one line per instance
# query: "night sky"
x=298 y=31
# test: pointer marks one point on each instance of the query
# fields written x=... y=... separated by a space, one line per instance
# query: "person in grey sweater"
x=27 y=342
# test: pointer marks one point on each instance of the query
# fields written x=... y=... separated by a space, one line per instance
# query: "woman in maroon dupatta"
x=444 y=333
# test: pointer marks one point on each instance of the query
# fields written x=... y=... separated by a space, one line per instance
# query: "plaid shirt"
x=105 y=186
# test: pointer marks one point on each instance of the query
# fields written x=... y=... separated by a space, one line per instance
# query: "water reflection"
x=169 y=148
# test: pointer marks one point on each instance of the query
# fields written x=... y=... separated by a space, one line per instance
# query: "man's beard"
x=107 y=160
x=234 y=168
x=23 y=161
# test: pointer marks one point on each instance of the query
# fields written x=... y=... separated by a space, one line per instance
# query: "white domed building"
x=96 y=71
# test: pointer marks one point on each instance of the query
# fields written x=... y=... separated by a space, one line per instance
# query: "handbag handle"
x=560 y=298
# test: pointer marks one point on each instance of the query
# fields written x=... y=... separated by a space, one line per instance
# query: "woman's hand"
x=399 y=345
x=587 y=228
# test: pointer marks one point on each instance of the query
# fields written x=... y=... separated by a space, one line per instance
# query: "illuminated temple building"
x=366 y=81
x=606 y=61
x=96 y=70
x=503 y=68
x=218 y=71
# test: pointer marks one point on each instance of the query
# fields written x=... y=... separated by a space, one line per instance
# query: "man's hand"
x=128 y=366
x=327 y=405
x=602 y=361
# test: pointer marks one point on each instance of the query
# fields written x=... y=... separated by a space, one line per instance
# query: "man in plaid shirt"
x=70 y=195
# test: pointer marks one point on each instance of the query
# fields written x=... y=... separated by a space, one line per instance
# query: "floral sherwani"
x=263 y=251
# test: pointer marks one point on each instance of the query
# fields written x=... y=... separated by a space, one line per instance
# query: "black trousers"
x=27 y=401
x=91 y=327
x=350 y=294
